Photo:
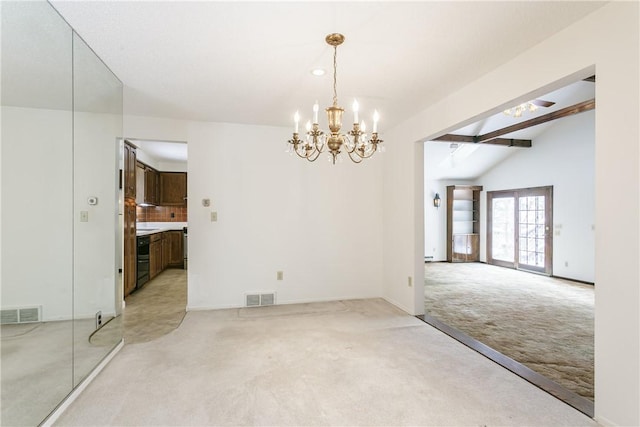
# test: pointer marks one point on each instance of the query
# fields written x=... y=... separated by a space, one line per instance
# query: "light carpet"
x=542 y=322
x=356 y=363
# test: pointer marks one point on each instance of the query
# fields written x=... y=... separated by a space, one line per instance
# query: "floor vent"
x=257 y=300
x=19 y=315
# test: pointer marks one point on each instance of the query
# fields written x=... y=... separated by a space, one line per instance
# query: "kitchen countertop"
x=148 y=228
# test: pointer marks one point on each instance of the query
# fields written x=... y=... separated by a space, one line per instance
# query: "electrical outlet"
x=280 y=275
x=214 y=216
x=410 y=281
x=98 y=319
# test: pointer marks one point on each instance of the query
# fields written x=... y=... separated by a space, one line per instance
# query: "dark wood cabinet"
x=151 y=195
x=463 y=223
x=176 y=255
x=155 y=255
x=173 y=188
x=129 y=219
x=129 y=171
x=130 y=247
x=166 y=249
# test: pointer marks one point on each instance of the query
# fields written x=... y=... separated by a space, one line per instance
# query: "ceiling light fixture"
x=519 y=109
x=318 y=71
x=355 y=142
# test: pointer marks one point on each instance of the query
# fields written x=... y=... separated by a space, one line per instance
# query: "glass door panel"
x=502 y=242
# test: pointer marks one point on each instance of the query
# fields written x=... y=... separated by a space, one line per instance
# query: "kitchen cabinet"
x=129 y=170
x=463 y=223
x=130 y=247
x=166 y=249
x=151 y=195
x=176 y=254
x=173 y=188
x=155 y=255
x=146 y=185
x=129 y=220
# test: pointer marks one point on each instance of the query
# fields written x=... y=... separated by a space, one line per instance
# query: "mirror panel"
x=97 y=128
x=37 y=202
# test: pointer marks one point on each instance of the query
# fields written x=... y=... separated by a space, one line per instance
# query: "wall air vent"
x=20 y=315
x=257 y=300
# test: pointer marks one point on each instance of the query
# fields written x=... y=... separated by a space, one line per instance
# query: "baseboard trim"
x=556 y=390
x=77 y=391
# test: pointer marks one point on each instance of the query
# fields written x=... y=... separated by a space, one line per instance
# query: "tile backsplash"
x=161 y=214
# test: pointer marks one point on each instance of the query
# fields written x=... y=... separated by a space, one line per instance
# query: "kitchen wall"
x=318 y=223
x=604 y=43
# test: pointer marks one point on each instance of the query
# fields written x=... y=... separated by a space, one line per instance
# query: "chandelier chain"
x=335 y=72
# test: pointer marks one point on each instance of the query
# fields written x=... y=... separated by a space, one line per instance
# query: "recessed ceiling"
x=249 y=62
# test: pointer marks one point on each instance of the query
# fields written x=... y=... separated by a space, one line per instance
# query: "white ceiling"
x=163 y=151
x=250 y=62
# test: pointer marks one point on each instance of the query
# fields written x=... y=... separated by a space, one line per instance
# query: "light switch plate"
x=214 y=216
x=84 y=216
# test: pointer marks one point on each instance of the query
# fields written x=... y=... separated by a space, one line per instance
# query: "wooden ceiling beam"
x=492 y=137
x=465 y=139
x=564 y=112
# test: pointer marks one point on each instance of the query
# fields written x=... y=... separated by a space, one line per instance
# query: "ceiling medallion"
x=355 y=143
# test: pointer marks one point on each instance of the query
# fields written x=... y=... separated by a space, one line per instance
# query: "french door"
x=518 y=229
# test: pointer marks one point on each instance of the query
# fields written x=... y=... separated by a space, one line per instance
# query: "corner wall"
x=603 y=43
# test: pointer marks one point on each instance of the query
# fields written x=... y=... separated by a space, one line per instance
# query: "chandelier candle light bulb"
x=376 y=117
x=355 y=111
x=354 y=142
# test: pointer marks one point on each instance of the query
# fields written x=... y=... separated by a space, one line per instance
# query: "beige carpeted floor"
x=349 y=363
x=541 y=322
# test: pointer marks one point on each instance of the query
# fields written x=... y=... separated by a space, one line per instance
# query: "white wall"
x=318 y=223
x=37 y=214
x=605 y=43
x=95 y=149
x=563 y=157
x=51 y=258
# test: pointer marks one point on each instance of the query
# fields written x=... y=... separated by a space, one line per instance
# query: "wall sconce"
x=437 y=200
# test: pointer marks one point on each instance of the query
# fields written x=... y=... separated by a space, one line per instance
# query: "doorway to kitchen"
x=155 y=185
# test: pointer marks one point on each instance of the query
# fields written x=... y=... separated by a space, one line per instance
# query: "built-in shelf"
x=463 y=223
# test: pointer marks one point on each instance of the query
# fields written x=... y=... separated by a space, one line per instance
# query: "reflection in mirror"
x=97 y=126
x=37 y=202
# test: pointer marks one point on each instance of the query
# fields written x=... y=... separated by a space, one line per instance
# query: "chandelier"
x=355 y=143
x=519 y=109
